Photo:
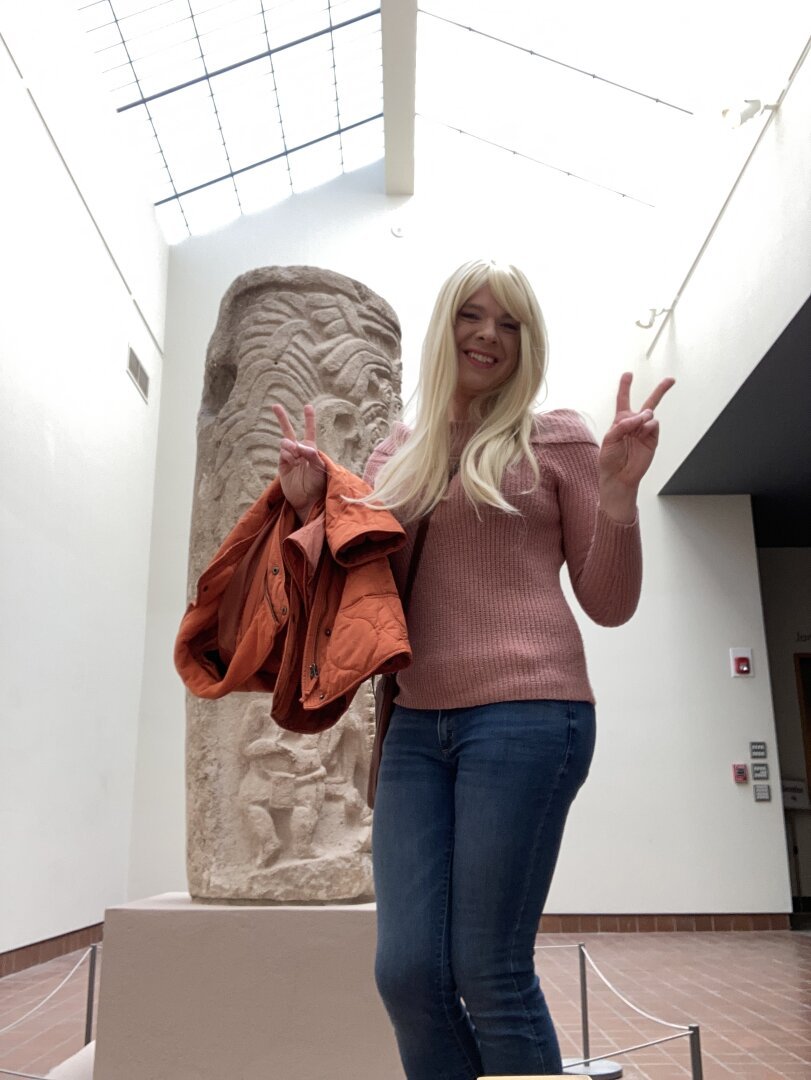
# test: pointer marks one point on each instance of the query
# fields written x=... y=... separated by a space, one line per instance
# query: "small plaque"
x=760 y=772
x=763 y=792
x=757 y=749
x=795 y=794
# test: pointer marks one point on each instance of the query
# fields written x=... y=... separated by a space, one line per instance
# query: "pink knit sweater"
x=488 y=620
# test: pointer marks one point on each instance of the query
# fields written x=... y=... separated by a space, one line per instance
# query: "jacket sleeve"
x=233 y=632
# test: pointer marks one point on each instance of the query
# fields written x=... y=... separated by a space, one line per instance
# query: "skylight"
x=236 y=104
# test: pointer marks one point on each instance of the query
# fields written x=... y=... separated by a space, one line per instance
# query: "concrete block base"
x=78 y=1067
x=203 y=991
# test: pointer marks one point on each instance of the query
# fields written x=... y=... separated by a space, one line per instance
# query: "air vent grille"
x=137 y=372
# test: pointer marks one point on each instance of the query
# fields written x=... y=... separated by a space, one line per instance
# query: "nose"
x=487 y=329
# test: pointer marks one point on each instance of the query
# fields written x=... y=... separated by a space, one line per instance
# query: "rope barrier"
x=45 y=1000
x=630 y=1004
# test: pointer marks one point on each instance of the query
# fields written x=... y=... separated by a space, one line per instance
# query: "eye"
x=470 y=316
x=513 y=327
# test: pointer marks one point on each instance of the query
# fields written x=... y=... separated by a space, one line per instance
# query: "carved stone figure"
x=274 y=816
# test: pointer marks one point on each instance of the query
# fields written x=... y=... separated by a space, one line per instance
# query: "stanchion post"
x=91 y=989
x=584 y=1001
x=695 y=1053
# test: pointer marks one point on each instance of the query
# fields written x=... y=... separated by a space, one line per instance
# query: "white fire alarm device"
x=740 y=662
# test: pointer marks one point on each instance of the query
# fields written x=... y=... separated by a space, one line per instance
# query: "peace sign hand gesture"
x=301 y=470
x=628 y=448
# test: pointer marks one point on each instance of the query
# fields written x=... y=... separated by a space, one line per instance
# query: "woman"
x=493 y=730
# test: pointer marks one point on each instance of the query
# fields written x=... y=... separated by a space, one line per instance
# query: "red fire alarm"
x=740 y=774
x=740 y=662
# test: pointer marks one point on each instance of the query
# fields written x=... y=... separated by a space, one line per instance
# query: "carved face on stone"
x=292 y=335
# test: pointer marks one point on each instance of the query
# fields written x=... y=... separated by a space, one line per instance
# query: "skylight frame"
x=226 y=145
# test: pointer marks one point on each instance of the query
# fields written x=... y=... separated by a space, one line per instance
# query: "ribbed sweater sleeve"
x=603 y=556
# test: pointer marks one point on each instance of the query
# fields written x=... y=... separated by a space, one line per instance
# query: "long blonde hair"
x=416 y=476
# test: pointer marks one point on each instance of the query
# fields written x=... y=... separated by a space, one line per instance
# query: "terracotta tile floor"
x=750 y=993
x=55 y=1032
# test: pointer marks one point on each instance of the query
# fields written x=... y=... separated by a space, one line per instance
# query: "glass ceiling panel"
x=222 y=16
x=248 y=145
x=199 y=7
x=158 y=41
x=197 y=136
x=350 y=9
x=289 y=20
x=362 y=145
x=264 y=186
x=171 y=14
x=104 y=37
x=125 y=93
x=211 y=208
x=124 y=9
x=140 y=135
x=190 y=136
x=115 y=63
x=305 y=83
x=230 y=44
x=316 y=165
x=169 y=67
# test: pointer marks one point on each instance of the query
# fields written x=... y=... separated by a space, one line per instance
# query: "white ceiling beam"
x=399 y=26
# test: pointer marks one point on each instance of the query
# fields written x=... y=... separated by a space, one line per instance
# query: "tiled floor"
x=55 y=1032
x=749 y=992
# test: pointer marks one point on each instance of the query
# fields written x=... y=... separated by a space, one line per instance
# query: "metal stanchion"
x=584 y=999
x=91 y=990
x=608 y=1070
x=695 y=1053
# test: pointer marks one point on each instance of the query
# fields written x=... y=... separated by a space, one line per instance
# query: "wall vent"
x=137 y=372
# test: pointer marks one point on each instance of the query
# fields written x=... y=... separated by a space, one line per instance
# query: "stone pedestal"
x=78 y=1067
x=195 y=991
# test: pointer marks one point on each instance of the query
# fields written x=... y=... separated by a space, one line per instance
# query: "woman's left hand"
x=630 y=444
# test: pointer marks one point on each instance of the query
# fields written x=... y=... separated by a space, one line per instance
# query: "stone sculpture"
x=274 y=816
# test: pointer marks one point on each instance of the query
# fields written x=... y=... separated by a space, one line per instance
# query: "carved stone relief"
x=274 y=816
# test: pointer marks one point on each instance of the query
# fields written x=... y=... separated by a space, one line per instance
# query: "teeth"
x=481 y=358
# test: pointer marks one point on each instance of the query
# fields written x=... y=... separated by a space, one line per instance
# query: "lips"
x=480 y=359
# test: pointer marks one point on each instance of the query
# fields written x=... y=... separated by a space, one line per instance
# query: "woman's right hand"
x=301 y=470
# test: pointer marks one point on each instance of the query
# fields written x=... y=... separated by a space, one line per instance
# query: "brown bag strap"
x=419 y=542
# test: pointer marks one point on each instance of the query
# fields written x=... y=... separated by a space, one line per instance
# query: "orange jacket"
x=308 y=612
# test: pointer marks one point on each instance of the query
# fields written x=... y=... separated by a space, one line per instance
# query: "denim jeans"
x=468 y=820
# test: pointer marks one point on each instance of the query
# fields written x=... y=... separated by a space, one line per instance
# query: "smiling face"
x=487 y=345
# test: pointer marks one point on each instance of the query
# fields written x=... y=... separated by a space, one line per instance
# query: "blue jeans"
x=468 y=820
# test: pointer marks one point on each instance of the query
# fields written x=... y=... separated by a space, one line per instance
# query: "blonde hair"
x=416 y=476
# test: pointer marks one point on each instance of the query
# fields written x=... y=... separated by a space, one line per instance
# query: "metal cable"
x=627 y=1050
x=45 y=1000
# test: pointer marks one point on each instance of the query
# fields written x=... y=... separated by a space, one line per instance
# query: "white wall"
x=77 y=443
x=785 y=578
x=660 y=825
x=751 y=281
